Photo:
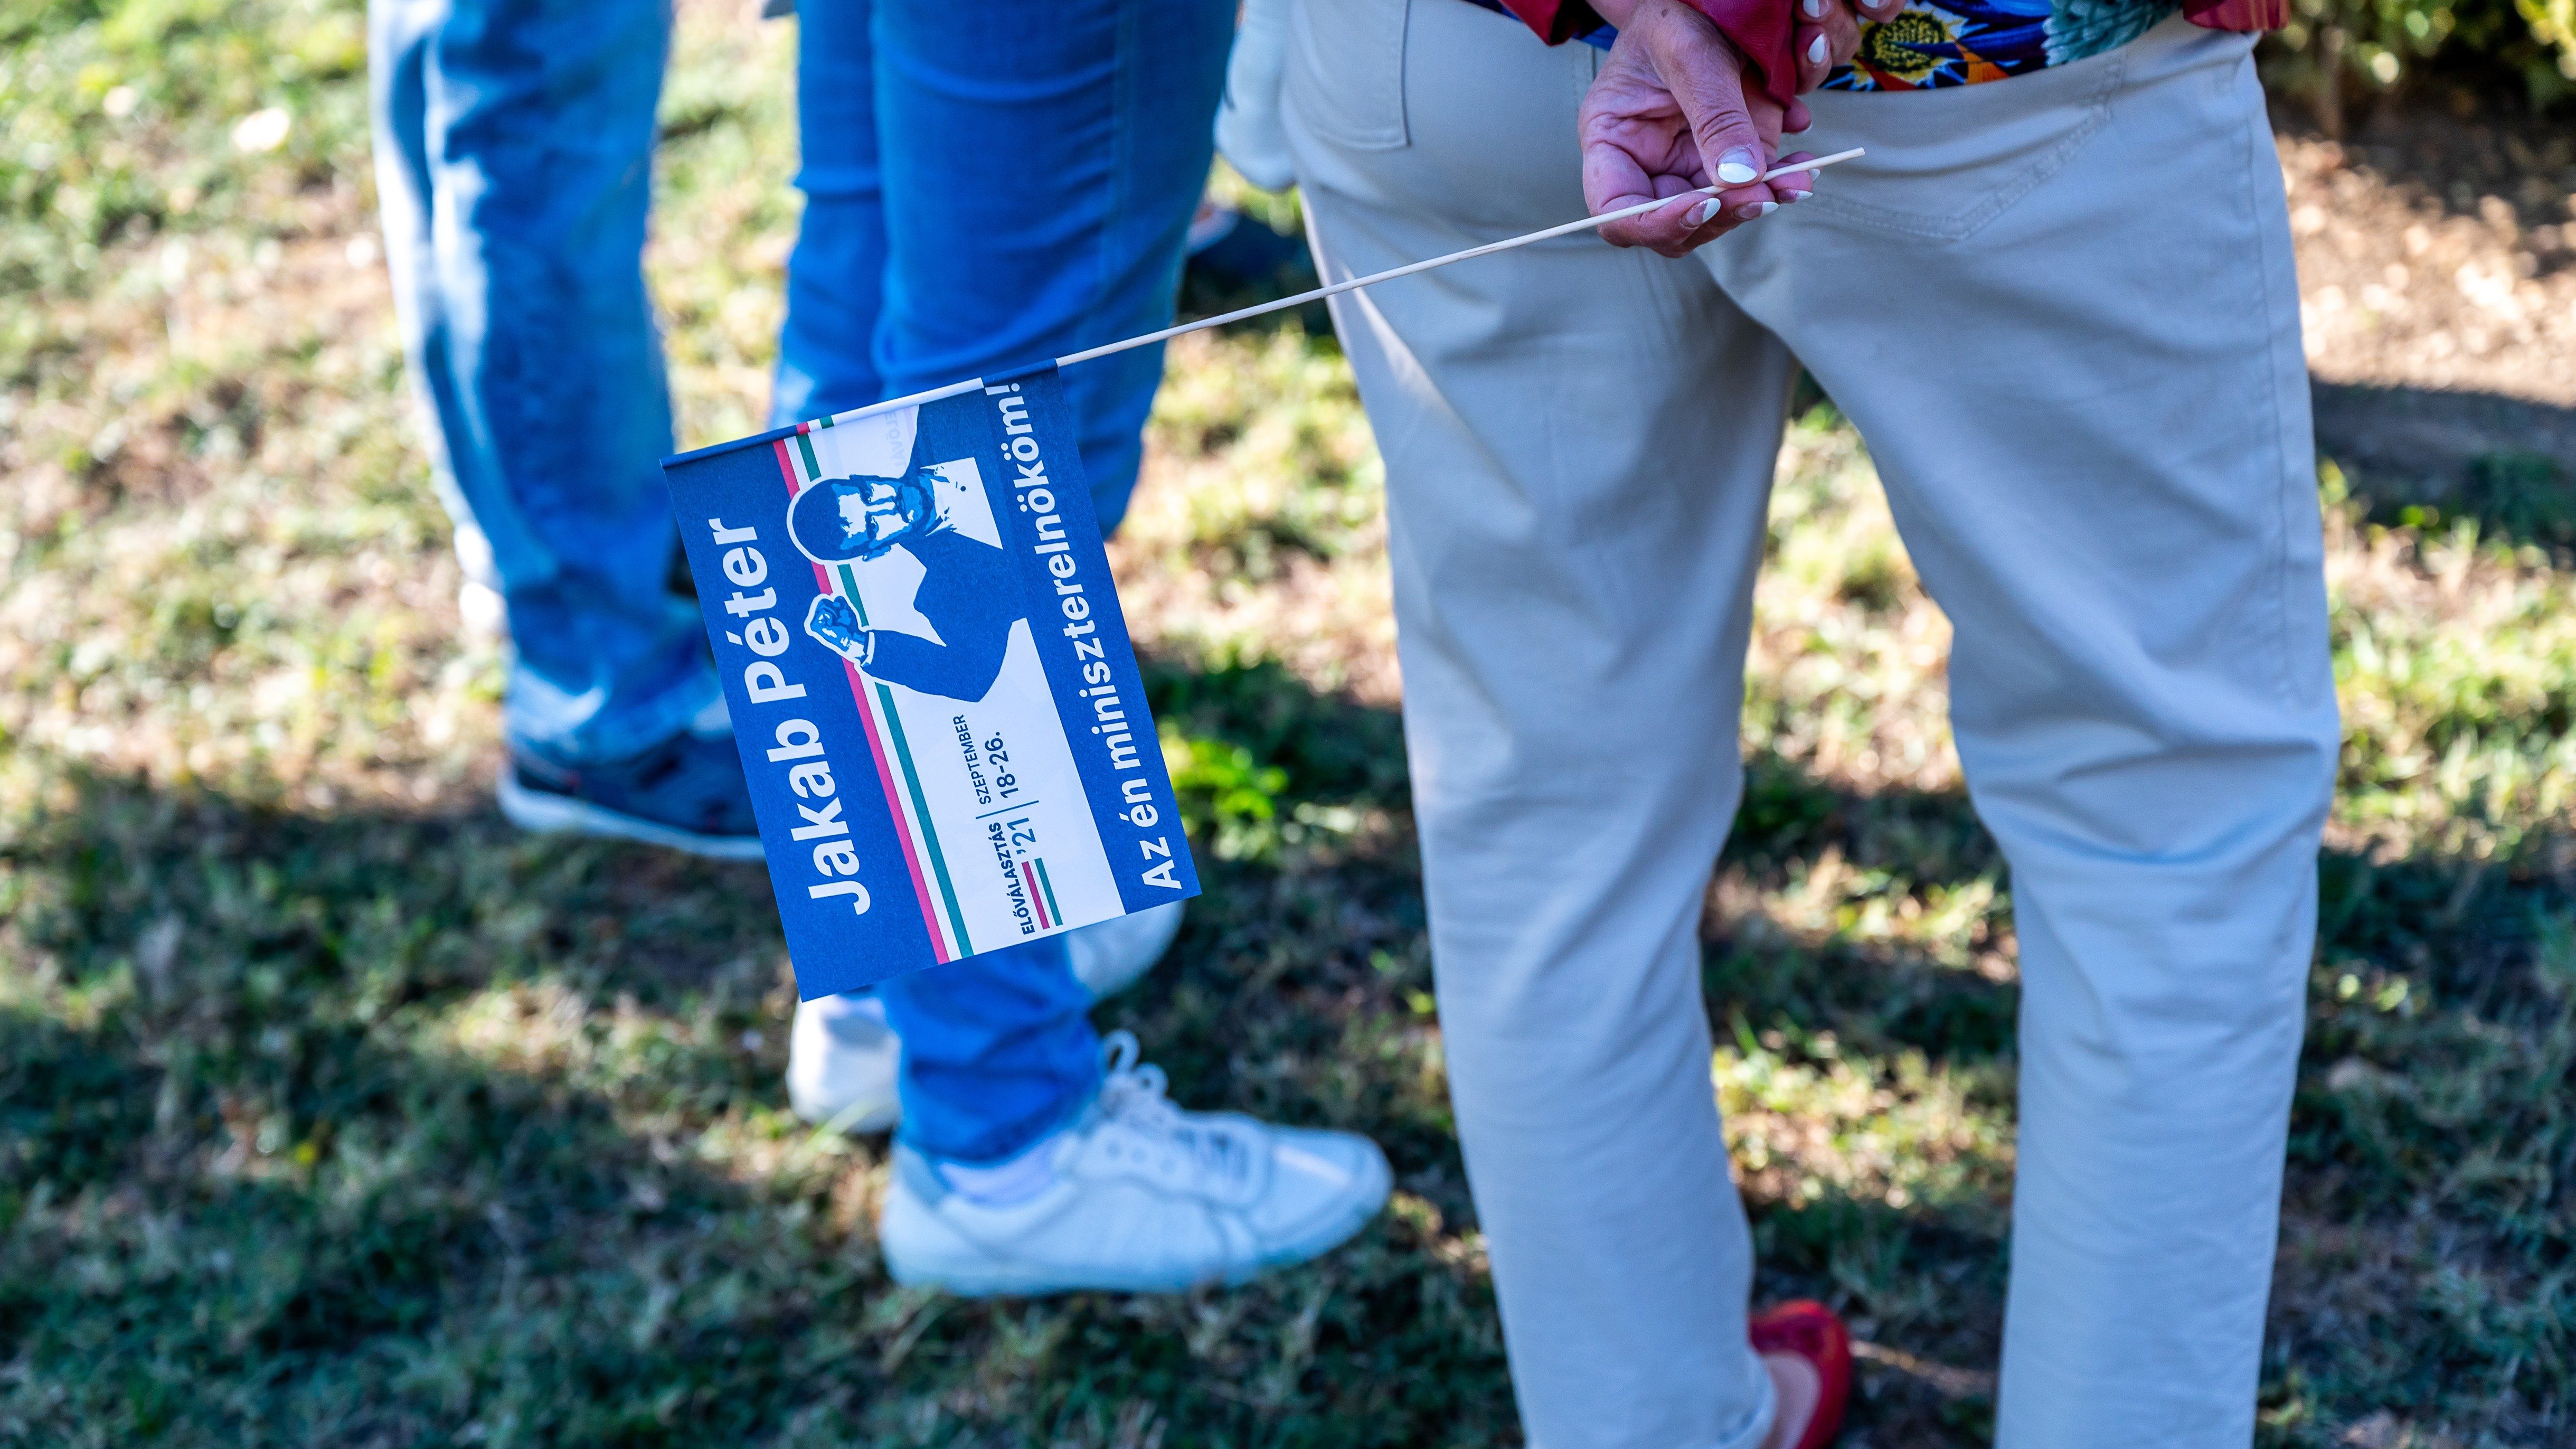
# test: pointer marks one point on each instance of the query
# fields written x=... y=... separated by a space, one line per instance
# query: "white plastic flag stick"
x=1337 y=288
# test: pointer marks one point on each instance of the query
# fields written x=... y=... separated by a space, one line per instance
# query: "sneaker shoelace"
x=1132 y=1097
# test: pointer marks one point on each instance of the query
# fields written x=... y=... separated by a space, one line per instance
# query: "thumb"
x=1706 y=77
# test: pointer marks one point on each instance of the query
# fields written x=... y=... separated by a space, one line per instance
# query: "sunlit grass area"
x=333 y=1111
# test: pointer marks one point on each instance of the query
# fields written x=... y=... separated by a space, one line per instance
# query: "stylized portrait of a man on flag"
x=965 y=594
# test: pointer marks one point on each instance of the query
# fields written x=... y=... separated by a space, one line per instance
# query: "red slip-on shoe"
x=1810 y=1330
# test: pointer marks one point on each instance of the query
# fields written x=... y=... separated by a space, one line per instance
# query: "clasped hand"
x=1671 y=111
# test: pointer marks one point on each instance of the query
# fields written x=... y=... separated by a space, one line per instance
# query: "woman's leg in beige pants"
x=2060 y=309
x=1579 y=446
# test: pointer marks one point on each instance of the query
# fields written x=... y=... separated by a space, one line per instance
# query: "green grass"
x=334 y=1112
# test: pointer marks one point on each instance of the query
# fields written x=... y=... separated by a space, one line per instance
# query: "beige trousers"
x=2061 y=310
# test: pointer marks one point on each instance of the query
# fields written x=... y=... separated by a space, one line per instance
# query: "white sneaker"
x=1138 y=1196
x=842 y=1057
x=841 y=1061
x=1114 y=954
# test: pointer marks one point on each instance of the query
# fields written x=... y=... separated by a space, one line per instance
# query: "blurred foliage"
x=121 y=120
x=1264 y=768
x=1222 y=786
x=2377 y=46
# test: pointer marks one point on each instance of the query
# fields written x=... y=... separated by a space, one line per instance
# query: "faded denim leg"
x=997 y=1051
x=986 y=186
x=993 y=185
x=514 y=143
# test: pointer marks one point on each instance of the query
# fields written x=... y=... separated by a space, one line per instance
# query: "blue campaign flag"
x=931 y=682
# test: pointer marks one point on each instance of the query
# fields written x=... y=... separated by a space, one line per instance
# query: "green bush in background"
x=2333 y=47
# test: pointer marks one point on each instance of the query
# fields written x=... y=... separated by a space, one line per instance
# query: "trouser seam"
x=2267 y=256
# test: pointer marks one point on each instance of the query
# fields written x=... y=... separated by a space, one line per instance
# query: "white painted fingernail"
x=1738 y=166
x=1816 y=51
x=1701 y=213
x=1757 y=210
x=1815 y=9
x=1792 y=198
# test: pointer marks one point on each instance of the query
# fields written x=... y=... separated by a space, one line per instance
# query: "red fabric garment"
x=1762 y=30
x=1546 y=17
x=2250 y=16
x=1766 y=36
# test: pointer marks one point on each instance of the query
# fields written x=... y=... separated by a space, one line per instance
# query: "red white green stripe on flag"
x=896 y=772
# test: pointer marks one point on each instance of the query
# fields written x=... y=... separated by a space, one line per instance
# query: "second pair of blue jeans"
x=987 y=185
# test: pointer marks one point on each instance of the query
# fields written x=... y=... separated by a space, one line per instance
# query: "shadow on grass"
x=383 y=1129
x=267 y=1187
x=2425 y=457
x=2431 y=1200
x=2484 y=1029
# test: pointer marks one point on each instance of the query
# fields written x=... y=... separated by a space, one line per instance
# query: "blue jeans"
x=514 y=147
x=988 y=185
x=1045 y=160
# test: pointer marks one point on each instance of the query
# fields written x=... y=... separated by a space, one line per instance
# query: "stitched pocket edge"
x=2097 y=111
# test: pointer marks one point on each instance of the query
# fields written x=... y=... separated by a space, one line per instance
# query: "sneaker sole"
x=551 y=814
x=988 y=1278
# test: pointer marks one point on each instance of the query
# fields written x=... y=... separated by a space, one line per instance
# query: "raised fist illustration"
x=833 y=621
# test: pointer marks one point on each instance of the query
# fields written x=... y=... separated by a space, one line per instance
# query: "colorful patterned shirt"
x=1935 y=43
x=1930 y=43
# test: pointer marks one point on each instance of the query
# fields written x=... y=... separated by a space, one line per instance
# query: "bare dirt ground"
x=2437 y=279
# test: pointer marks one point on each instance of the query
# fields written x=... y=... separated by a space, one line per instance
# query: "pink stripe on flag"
x=1037 y=898
x=885 y=776
x=903 y=831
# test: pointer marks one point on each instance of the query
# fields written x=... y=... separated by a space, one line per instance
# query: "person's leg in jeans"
x=1044 y=157
x=1038 y=164
x=836 y=275
x=2094 y=433
x=1579 y=445
x=1043 y=161
x=1103 y=109
x=1033 y=170
x=514 y=143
